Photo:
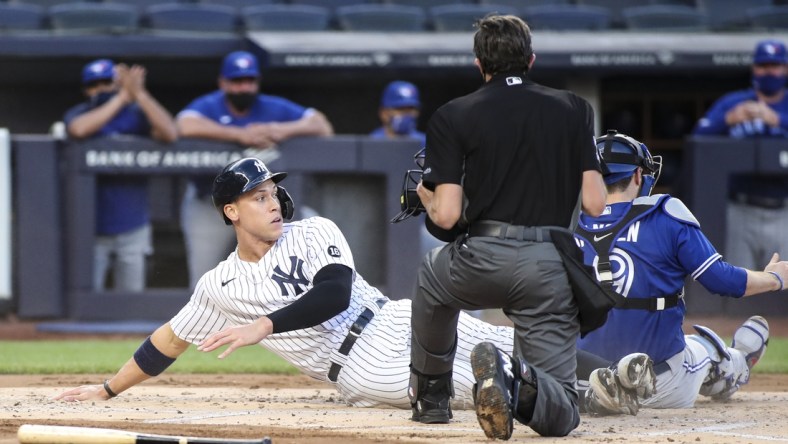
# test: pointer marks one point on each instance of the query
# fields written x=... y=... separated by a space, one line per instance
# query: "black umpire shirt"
x=518 y=148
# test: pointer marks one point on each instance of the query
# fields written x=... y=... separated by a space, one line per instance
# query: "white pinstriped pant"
x=377 y=370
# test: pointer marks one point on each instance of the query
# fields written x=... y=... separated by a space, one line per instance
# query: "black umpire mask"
x=241 y=101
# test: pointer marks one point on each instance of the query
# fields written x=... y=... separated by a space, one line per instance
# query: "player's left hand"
x=238 y=336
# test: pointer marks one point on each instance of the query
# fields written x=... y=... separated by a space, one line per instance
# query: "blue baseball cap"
x=240 y=64
x=770 y=51
x=399 y=94
x=102 y=69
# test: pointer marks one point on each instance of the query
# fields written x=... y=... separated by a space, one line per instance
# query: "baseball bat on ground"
x=40 y=434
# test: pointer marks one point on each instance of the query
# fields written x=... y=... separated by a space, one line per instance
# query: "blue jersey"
x=650 y=257
x=380 y=133
x=121 y=202
x=713 y=123
x=264 y=110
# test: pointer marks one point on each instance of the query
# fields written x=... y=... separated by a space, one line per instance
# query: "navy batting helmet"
x=242 y=176
x=623 y=155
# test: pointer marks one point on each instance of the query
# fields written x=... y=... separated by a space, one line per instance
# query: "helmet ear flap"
x=286 y=202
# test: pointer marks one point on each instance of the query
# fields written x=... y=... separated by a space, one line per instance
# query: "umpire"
x=504 y=163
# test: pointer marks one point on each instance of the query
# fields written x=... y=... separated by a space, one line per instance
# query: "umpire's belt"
x=353 y=333
x=502 y=230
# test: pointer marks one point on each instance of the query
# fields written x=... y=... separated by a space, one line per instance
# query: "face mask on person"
x=101 y=98
x=241 y=101
x=403 y=124
x=768 y=84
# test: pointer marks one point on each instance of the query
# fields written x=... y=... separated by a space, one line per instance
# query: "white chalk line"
x=721 y=430
x=200 y=417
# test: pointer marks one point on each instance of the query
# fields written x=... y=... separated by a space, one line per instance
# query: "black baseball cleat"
x=493 y=396
x=430 y=399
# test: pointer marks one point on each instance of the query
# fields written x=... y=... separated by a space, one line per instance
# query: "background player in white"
x=292 y=287
x=645 y=246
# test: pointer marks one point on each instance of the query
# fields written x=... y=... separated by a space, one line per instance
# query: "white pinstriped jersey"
x=376 y=370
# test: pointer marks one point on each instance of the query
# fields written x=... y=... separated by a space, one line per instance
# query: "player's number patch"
x=334 y=251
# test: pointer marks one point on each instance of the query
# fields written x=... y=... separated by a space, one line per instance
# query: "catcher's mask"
x=243 y=176
x=622 y=156
x=409 y=201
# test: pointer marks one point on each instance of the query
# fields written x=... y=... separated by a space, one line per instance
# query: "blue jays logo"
x=623 y=270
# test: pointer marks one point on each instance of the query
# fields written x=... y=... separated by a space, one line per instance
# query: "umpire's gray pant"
x=528 y=281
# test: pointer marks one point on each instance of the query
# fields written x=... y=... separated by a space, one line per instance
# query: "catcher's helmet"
x=242 y=176
x=622 y=155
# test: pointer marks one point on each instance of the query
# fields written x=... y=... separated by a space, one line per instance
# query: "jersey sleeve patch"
x=333 y=251
x=676 y=209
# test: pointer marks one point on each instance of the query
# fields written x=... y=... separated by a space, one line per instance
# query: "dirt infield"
x=297 y=409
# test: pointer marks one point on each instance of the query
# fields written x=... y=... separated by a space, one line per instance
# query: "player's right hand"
x=84 y=393
x=238 y=336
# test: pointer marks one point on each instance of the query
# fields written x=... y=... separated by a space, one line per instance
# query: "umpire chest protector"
x=603 y=241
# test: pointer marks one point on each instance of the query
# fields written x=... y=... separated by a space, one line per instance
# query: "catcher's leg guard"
x=751 y=339
x=729 y=369
x=430 y=397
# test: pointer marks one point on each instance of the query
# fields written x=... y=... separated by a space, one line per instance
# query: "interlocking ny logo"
x=295 y=277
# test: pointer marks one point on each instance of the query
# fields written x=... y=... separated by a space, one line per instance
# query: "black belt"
x=502 y=230
x=651 y=304
x=353 y=333
x=773 y=203
x=661 y=367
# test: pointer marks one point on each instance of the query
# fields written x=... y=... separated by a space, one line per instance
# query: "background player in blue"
x=399 y=112
x=644 y=246
x=757 y=212
x=119 y=103
x=236 y=113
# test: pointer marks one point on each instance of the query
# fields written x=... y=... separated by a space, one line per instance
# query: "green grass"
x=97 y=356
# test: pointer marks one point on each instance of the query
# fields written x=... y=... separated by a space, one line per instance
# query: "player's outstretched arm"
x=773 y=278
x=153 y=356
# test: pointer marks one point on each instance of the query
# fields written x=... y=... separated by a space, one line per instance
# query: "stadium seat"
x=427 y=4
x=17 y=16
x=285 y=18
x=729 y=15
x=382 y=17
x=567 y=17
x=240 y=4
x=197 y=17
x=522 y=4
x=94 y=17
x=664 y=18
x=615 y=7
x=769 y=17
x=330 y=4
x=45 y=3
x=461 y=17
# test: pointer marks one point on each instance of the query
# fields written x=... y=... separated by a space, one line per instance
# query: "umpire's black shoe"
x=430 y=398
x=492 y=369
